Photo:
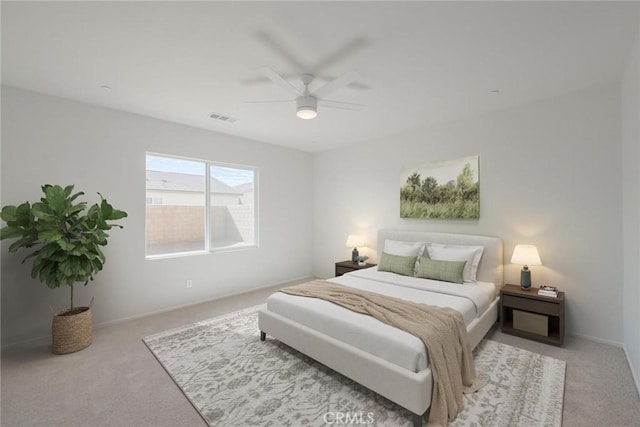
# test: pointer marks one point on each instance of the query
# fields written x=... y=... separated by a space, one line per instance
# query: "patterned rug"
x=233 y=378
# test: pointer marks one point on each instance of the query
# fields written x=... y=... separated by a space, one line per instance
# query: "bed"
x=382 y=358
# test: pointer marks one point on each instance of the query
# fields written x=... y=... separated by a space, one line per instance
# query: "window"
x=154 y=200
x=198 y=206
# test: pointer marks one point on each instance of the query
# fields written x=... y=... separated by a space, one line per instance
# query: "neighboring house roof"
x=244 y=188
x=172 y=181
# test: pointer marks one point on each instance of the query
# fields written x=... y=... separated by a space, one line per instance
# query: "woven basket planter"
x=72 y=330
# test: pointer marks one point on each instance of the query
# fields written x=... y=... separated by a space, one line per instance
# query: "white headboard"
x=490 y=268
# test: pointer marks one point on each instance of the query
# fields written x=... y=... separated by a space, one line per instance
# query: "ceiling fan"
x=306 y=101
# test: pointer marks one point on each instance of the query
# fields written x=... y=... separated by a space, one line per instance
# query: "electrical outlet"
x=189 y=283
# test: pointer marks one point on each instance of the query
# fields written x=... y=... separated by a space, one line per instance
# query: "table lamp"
x=526 y=255
x=353 y=241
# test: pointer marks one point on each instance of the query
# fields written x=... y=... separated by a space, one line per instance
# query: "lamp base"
x=525 y=279
x=355 y=256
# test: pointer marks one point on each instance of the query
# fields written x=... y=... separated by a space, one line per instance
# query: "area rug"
x=233 y=378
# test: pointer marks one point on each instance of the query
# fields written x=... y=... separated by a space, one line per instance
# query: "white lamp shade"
x=525 y=255
x=353 y=241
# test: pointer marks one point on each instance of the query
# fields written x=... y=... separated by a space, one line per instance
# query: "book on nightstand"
x=548 y=291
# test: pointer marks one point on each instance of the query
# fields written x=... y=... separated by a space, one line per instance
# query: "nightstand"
x=347 y=266
x=529 y=315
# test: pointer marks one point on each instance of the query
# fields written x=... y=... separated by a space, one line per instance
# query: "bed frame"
x=411 y=390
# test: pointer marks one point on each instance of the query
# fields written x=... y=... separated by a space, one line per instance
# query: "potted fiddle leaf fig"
x=65 y=237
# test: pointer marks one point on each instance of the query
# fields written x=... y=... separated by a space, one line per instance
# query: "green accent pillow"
x=446 y=271
x=397 y=264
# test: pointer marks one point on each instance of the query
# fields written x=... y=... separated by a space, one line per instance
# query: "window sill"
x=196 y=253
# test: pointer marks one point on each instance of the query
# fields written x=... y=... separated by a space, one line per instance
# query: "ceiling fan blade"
x=255 y=80
x=277 y=47
x=335 y=107
x=348 y=49
x=277 y=79
x=269 y=101
x=341 y=81
x=352 y=85
x=264 y=79
x=341 y=105
x=359 y=86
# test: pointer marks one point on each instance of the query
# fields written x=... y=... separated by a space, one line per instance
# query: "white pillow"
x=396 y=247
x=400 y=248
x=471 y=254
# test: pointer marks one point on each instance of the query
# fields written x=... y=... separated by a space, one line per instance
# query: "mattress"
x=369 y=334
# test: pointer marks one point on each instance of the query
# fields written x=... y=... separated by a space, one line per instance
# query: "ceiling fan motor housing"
x=307 y=106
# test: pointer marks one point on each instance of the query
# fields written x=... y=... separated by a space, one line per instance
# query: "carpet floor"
x=118 y=382
x=231 y=377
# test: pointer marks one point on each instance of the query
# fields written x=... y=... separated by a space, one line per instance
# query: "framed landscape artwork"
x=445 y=190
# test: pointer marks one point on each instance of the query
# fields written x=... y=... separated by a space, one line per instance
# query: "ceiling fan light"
x=307 y=112
x=306 y=107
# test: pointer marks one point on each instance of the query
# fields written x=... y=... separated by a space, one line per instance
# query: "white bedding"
x=370 y=335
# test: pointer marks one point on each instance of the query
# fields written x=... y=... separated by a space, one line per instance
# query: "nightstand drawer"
x=527 y=304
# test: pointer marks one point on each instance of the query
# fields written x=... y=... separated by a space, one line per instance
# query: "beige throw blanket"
x=442 y=330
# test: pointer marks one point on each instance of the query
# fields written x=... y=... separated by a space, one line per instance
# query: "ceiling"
x=419 y=63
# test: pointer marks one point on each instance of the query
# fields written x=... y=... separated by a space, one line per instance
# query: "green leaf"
x=10 y=232
x=50 y=234
x=105 y=209
x=40 y=214
x=8 y=213
x=116 y=214
x=96 y=264
x=49 y=250
x=43 y=211
x=24 y=215
x=100 y=255
x=41 y=207
x=25 y=242
x=100 y=237
x=75 y=196
x=79 y=250
x=55 y=198
x=76 y=208
x=66 y=246
x=67 y=191
x=92 y=216
x=65 y=267
x=17 y=215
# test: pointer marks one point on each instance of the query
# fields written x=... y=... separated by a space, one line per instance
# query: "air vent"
x=222 y=118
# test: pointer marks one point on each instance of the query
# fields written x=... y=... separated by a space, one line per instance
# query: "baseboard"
x=633 y=372
x=47 y=339
x=595 y=339
x=28 y=343
x=191 y=304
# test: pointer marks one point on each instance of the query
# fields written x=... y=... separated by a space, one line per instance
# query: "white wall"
x=52 y=140
x=631 y=209
x=549 y=175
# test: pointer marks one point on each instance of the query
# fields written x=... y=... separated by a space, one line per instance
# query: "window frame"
x=208 y=249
